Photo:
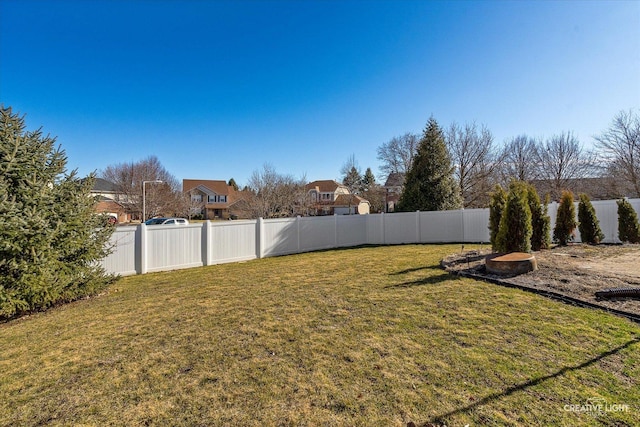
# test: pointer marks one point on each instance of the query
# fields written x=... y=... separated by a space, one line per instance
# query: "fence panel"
x=375 y=229
x=280 y=237
x=441 y=226
x=352 y=230
x=122 y=259
x=476 y=226
x=400 y=228
x=171 y=248
x=317 y=233
x=231 y=241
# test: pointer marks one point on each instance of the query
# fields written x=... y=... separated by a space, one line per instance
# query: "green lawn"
x=367 y=336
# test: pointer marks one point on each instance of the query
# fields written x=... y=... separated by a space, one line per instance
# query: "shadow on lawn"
x=411 y=270
x=441 y=419
x=431 y=280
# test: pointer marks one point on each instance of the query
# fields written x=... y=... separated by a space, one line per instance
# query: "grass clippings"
x=364 y=336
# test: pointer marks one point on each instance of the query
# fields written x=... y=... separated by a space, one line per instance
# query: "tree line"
x=469 y=156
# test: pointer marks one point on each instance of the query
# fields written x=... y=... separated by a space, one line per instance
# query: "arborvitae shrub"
x=588 y=223
x=628 y=227
x=540 y=221
x=496 y=206
x=565 y=220
x=515 y=230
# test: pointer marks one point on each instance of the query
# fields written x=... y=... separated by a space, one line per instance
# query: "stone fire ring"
x=511 y=264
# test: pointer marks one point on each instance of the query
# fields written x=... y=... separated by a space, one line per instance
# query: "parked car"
x=166 y=221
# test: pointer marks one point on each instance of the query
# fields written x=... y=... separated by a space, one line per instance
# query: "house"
x=328 y=197
x=214 y=199
x=351 y=204
x=393 y=189
x=108 y=197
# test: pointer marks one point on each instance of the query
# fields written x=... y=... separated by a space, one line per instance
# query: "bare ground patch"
x=577 y=271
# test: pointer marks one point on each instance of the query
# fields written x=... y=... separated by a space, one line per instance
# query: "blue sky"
x=216 y=89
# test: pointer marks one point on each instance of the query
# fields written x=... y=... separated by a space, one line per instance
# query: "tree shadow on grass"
x=411 y=270
x=443 y=418
x=431 y=280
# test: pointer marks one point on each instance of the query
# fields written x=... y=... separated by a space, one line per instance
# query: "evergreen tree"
x=429 y=184
x=588 y=223
x=353 y=181
x=368 y=180
x=565 y=219
x=50 y=235
x=515 y=230
x=232 y=183
x=628 y=226
x=540 y=221
x=496 y=207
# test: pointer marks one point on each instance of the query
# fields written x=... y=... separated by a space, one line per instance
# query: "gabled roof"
x=324 y=186
x=395 y=179
x=217 y=186
x=103 y=186
x=349 y=199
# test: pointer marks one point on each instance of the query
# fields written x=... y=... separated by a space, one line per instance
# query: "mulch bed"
x=564 y=273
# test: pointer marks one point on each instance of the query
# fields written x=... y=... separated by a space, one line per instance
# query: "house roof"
x=324 y=186
x=395 y=179
x=217 y=186
x=103 y=186
x=349 y=199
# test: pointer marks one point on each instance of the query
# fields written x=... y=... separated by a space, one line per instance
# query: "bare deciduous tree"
x=397 y=154
x=562 y=159
x=276 y=195
x=519 y=160
x=160 y=198
x=620 y=147
x=475 y=161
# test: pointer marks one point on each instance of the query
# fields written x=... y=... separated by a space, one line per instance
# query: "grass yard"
x=372 y=336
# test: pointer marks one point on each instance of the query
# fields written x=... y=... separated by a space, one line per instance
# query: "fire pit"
x=511 y=264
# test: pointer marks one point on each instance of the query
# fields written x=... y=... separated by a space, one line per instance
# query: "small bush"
x=496 y=206
x=628 y=227
x=588 y=222
x=540 y=221
x=565 y=220
x=515 y=230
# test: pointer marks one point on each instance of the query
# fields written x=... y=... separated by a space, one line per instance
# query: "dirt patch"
x=576 y=271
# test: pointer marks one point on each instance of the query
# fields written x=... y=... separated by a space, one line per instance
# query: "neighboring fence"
x=141 y=249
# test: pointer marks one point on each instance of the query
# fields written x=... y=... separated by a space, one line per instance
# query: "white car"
x=166 y=221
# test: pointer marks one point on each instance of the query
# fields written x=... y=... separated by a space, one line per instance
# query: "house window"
x=196 y=197
x=217 y=199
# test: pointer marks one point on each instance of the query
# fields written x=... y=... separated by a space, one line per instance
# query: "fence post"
x=260 y=237
x=462 y=214
x=143 y=248
x=206 y=244
x=335 y=230
x=298 y=232
x=417 y=226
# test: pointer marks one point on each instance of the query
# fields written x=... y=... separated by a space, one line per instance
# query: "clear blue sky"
x=216 y=89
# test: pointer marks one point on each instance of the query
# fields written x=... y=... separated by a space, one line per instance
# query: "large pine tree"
x=50 y=235
x=429 y=184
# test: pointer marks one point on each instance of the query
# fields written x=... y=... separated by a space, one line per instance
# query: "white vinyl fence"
x=141 y=249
